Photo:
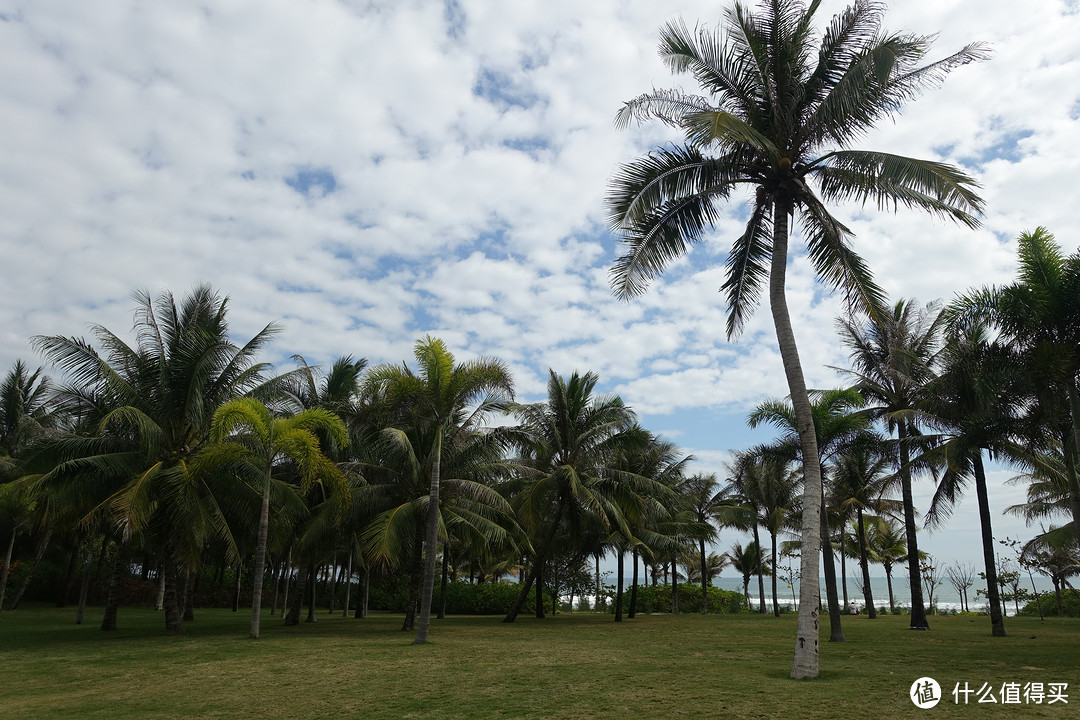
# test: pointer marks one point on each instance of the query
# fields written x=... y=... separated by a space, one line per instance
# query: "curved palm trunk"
x=84 y=588
x=539 y=575
x=836 y=630
x=1073 y=479
x=760 y=571
x=704 y=579
x=674 y=587
x=888 y=580
x=864 y=562
x=843 y=570
x=805 y=660
x=775 y=602
x=38 y=554
x=541 y=557
x=112 y=597
x=260 y=557
x=431 y=541
x=445 y=578
x=618 y=585
x=7 y=567
x=997 y=621
x=633 y=586
x=348 y=587
x=173 y=599
x=918 y=608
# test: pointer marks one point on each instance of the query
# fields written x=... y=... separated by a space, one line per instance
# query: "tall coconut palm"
x=860 y=475
x=1039 y=316
x=976 y=402
x=25 y=411
x=248 y=440
x=704 y=498
x=887 y=544
x=569 y=444
x=892 y=359
x=148 y=409
x=748 y=561
x=779 y=113
x=441 y=396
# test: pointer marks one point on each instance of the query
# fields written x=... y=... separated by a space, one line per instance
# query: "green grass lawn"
x=569 y=666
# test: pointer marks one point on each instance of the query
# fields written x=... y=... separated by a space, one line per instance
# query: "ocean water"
x=945 y=597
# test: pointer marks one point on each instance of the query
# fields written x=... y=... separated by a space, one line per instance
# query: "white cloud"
x=149 y=146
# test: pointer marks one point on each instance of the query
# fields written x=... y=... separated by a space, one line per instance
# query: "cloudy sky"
x=368 y=172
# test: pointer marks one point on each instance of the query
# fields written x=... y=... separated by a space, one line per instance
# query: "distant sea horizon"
x=945 y=597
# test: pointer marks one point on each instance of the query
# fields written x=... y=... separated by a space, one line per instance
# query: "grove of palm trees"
x=179 y=479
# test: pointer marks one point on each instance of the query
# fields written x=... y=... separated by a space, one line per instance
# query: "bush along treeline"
x=179 y=470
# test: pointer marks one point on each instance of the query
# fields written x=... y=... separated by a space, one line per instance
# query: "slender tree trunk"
x=69 y=577
x=775 y=602
x=442 y=584
x=674 y=587
x=84 y=587
x=112 y=596
x=599 y=603
x=348 y=587
x=918 y=609
x=7 y=567
x=236 y=587
x=189 y=592
x=260 y=554
x=278 y=565
x=864 y=562
x=416 y=577
x=530 y=577
x=431 y=541
x=159 y=602
x=174 y=613
x=619 y=584
x=704 y=579
x=38 y=554
x=760 y=571
x=1073 y=479
x=843 y=570
x=836 y=630
x=313 y=586
x=292 y=610
x=888 y=580
x=997 y=620
x=805 y=660
x=366 y=593
x=333 y=584
x=287 y=572
x=539 y=574
x=633 y=587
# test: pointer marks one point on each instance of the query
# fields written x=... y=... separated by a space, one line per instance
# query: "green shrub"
x=657 y=599
x=1070 y=605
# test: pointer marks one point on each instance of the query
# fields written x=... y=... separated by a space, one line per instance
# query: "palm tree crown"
x=778 y=117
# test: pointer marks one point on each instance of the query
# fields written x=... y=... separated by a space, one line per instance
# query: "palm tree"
x=249 y=441
x=887 y=544
x=704 y=498
x=148 y=411
x=774 y=490
x=835 y=424
x=976 y=403
x=437 y=400
x=860 y=475
x=748 y=561
x=779 y=116
x=1039 y=316
x=25 y=410
x=568 y=446
x=892 y=359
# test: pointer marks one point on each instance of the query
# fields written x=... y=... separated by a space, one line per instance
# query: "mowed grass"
x=569 y=666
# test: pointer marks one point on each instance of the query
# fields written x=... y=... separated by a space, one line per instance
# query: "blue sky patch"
x=312 y=182
x=500 y=90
